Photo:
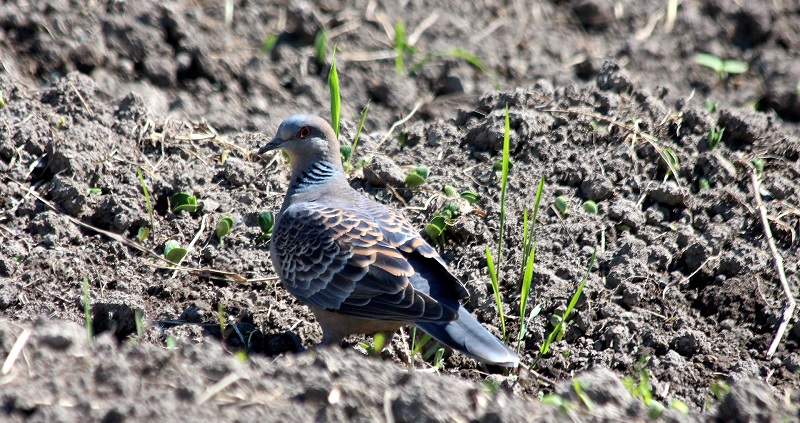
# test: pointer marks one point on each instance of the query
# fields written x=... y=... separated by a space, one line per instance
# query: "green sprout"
x=450 y=191
x=471 y=197
x=703 y=183
x=722 y=67
x=144 y=232
x=183 y=201
x=714 y=137
x=495 y=275
x=528 y=256
x=671 y=161
x=336 y=99
x=347 y=151
x=224 y=156
x=3 y=100
x=266 y=221
x=224 y=227
x=720 y=388
x=562 y=206
x=174 y=252
x=401 y=47
x=590 y=207
x=269 y=43
x=171 y=343
x=417 y=177
x=87 y=310
x=711 y=106
x=558 y=332
x=321 y=46
x=758 y=165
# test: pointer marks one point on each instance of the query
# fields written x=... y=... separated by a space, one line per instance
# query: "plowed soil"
x=686 y=291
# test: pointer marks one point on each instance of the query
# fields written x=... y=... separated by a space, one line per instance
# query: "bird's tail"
x=467 y=336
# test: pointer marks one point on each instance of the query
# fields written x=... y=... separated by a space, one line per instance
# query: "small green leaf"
x=450 y=210
x=224 y=156
x=346 y=152
x=498 y=165
x=269 y=43
x=703 y=183
x=680 y=406
x=266 y=221
x=144 y=232
x=436 y=227
x=590 y=207
x=423 y=171
x=321 y=46
x=720 y=388
x=734 y=66
x=95 y=191
x=758 y=165
x=183 y=201
x=224 y=227
x=470 y=196
x=709 y=61
x=450 y=191
x=174 y=252
x=561 y=206
x=414 y=179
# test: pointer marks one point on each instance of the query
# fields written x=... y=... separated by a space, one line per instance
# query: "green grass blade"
x=399 y=47
x=336 y=100
x=321 y=46
x=496 y=290
x=557 y=330
x=503 y=187
x=87 y=310
x=526 y=284
x=146 y=197
x=358 y=132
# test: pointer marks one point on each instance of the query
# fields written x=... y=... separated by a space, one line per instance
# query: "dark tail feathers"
x=467 y=336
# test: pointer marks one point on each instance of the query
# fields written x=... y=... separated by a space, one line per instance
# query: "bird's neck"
x=311 y=174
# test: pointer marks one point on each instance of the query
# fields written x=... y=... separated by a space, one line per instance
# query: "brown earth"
x=685 y=288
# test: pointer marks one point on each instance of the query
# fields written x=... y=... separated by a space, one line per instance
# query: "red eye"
x=304 y=132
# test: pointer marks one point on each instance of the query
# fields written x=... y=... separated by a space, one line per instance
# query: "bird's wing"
x=339 y=260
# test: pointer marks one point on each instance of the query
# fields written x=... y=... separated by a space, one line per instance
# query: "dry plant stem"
x=191 y=244
x=15 y=352
x=402 y=121
x=776 y=257
x=219 y=387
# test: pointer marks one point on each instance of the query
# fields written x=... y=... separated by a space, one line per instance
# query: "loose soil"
x=685 y=288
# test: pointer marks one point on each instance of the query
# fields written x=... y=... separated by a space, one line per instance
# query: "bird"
x=359 y=264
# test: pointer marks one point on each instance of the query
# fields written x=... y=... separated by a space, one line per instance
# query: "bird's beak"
x=275 y=143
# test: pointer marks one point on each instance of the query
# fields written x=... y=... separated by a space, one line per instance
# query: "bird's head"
x=305 y=137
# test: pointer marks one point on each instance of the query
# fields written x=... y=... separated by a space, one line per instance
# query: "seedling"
x=671 y=161
x=703 y=183
x=497 y=167
x=183 y=201
x=458 y=53
x=348 y=151
x=95 y=191
x=496 y=290
x=758 y=165
x=719 y=388
x=558 y=332
x=528 y=255
x=336 y=99
x=562 y=206
x=145 y=232
x=401 y=47
x=87 y=310
x=269 y=43
x=714 y=137
x=174 y=252
x=3 y=101
x=171 y=343
x=590 y=207
x=495 y=275
x=711 y=106
x=224 y=227
x=721 y=66
x=266 y=221
x=471 y=197
x=224 y=156
x=449 y=191
x=418 y=177
x=321 y=46
x=378 y=342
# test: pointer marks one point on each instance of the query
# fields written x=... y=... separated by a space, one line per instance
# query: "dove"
x=359 y=264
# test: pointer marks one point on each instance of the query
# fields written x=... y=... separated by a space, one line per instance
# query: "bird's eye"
x=304 y=132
